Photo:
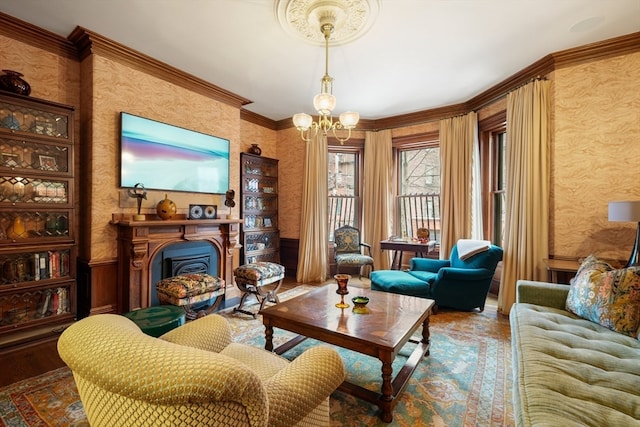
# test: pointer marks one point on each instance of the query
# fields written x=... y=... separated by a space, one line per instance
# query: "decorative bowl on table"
x=360 y=304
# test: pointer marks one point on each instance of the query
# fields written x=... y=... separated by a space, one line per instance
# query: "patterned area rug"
x=466 y=380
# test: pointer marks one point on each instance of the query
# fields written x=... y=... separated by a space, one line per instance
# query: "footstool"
x=399 y=282
x=158 y=320
x=251 y=279
x=189 y=290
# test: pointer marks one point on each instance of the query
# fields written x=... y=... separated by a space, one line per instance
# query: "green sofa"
x=568 y=371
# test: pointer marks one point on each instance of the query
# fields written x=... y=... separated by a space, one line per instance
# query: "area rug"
x=466 y=380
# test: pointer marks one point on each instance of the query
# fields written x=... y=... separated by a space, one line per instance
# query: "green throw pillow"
x=607 y=296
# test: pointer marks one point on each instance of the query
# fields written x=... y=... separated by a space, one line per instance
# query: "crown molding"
x=89 y=43
x=257 y=119
x=37 y=37
x=609 y=48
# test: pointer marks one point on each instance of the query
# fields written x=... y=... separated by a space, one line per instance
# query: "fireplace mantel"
x=140 y=241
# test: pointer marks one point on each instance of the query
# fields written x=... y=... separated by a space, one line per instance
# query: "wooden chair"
x=348 y=249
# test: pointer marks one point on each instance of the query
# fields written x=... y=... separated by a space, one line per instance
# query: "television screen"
x=170 y=158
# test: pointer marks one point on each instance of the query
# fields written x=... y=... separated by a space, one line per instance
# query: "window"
x=343 y=186
x=493 y=143
x=418 y=199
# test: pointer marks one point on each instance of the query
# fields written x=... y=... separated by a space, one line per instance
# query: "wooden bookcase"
x=259 y=208
x=37 y=220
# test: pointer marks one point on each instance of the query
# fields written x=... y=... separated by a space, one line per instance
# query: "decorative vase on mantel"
x=12 y=81
x=255 y=149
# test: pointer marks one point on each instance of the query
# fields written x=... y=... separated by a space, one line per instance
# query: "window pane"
x=343 y=190
x=342 y=174
x=499 y=185
x=419 y=192
x=420 y=171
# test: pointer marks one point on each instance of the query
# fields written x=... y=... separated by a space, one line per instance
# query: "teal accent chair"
x=348 y=249
x=454 y=282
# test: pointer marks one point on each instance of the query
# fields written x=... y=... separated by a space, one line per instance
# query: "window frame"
x=358 y=151
x=488 y=131
x=406 y=143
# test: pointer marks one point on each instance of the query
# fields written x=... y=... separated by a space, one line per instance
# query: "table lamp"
x=628 y=211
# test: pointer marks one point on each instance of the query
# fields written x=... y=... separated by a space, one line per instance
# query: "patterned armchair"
x=348 y=249
x=193 y=375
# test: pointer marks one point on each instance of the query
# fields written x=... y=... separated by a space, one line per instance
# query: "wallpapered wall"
x=595 y=152
x=117 y=88
x=595 y=142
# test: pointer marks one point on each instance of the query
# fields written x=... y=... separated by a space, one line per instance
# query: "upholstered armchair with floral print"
x=193 y=375
x=348 y=249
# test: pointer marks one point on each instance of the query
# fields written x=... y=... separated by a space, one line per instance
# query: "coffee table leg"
x=425 y=333
x=386 y=399
x=268 y=336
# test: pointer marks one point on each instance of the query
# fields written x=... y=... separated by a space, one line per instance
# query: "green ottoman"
x=157 y=320
x=399 y=282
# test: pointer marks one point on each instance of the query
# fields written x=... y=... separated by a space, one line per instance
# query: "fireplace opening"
x=183 y=258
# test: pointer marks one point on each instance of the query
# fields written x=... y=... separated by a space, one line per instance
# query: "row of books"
x=54 y=301
x=51 y=265
x=37 y=266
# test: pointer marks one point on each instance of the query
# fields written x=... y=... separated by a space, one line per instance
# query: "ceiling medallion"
x=303 y=18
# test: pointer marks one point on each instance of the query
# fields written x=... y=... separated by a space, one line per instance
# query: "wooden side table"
x=398 y=247
x=565 y=267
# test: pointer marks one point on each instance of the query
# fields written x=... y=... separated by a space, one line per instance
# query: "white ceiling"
x=418 y=55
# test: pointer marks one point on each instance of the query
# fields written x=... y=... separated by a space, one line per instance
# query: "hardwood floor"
x=26 y=363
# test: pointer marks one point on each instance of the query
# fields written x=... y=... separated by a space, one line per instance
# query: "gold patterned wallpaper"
x=117 y=88
x=595 y=151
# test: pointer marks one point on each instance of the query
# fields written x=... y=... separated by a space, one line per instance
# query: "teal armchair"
x=461 y=284
x=457 y=283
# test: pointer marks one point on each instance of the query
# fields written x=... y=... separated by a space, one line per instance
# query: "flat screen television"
x=170 y=158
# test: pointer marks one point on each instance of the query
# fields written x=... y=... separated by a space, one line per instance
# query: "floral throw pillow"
x=607 y=296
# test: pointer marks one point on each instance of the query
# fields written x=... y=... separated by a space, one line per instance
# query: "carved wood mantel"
x=140 y=241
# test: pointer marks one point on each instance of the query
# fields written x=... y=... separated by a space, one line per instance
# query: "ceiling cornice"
x=257 y=119
x=35 y=36
x=89 y=43
x=609 y=48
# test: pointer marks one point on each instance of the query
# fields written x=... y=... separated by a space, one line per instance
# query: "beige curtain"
x=312 y=255
x=457 y=135
x=526 y=235
x=377 y=197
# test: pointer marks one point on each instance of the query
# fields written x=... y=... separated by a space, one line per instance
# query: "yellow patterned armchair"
x=193 y=375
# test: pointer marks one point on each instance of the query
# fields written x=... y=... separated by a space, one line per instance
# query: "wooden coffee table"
x=388 y=325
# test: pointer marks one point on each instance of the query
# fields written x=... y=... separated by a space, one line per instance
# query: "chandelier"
x=324 y=103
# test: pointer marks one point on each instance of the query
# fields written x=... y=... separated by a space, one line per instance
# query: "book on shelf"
x=43 y=259
x=64 y=263
x=36 y=266
x=54 y=264
x=46 y=300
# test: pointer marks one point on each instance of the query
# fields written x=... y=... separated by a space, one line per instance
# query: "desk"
x=565 y=266
x=398 y=247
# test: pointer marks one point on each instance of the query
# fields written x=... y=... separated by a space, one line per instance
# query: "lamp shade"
x=628 y=211
x=349 y=119
x=324 y=103
x=302 y=121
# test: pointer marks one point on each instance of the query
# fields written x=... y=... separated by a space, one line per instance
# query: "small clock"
x=203 y=211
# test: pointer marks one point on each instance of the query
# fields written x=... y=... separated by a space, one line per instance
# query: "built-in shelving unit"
x=259 y=208
x=37 y=222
